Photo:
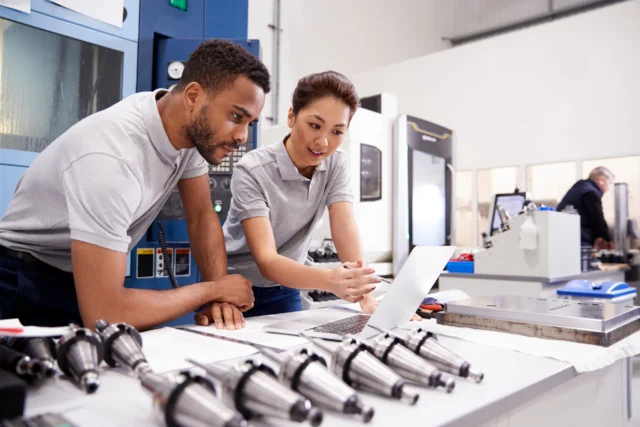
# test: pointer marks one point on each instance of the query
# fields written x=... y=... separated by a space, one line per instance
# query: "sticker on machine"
x=183 y=262
x=144 y=263
x=162 y=263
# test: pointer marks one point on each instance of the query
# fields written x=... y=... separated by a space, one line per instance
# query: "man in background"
x=586 y=197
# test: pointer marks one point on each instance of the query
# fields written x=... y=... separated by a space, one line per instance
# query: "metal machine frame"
x=411 y=133
x=44 y=16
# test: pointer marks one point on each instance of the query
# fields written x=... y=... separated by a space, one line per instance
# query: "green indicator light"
x=179 y=4
x=218 y=208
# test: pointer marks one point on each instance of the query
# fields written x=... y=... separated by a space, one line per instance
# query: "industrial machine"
x=553 y=249
x=77 y=64
x=168 y=35
x=423 y=202
x=368 y=146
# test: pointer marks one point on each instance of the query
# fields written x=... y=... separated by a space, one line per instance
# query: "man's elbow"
x=110 y=309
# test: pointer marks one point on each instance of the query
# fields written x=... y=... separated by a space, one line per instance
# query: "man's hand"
x=220 y=314
x=353 y=283
x=601 y=243
x=234 y=289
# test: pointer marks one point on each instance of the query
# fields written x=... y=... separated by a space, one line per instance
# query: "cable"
x=165 y=254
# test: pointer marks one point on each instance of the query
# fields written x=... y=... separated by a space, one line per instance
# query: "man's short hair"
x=601 y=171
x=216 y=64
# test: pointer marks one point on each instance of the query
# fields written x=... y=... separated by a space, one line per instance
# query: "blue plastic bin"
x=460 y=267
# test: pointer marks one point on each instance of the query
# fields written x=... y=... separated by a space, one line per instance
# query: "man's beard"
x=203 y=136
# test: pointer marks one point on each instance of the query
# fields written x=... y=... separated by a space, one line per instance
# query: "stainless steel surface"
x=425 y=344
x=620 y=231
x=390 y=351
x=41 y=349
x=305 y=372
x=122 y=346
x=351 y=361
x=598 y=317
x=193 y=402
x=579 y=321
x=257 y=393
x=80 y=353
x=589 y=275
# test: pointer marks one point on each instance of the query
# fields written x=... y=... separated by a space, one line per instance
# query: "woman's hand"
x=352 y=283
x=369 y=304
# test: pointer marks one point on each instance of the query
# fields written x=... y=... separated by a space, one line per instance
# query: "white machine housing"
x=557 y=253
x=374 y=218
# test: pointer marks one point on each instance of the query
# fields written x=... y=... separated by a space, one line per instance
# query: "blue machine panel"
x=13 y=161
x=203 y=19
x=226 y=19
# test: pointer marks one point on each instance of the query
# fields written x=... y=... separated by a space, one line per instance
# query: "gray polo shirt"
x=102 y=182
x=266 y=183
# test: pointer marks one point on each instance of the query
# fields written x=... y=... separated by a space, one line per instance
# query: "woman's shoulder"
x=257 y=157
x=337 y=160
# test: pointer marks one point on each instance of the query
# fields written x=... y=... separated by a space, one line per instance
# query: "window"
x=464 y=209
x=548 y=183
x=491 y=182
x=626 y=169
x=49 y=82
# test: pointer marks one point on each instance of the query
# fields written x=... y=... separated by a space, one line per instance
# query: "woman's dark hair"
x=319 y=85
x=216 y=64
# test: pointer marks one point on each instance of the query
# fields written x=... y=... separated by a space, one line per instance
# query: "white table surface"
x=511 y=379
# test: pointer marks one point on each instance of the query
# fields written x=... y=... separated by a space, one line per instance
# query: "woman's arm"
x=346 y=238
x=350 y=284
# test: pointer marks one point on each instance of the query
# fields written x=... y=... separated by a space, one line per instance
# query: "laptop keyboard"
x=348 y=325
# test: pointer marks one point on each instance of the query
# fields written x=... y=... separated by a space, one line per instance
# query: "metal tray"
x=578 y=321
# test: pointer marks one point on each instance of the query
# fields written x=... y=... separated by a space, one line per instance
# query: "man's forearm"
x=145 y=309
x=207 y=243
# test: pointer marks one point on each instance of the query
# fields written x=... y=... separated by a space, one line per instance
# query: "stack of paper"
x=254 y=334
x=166 y=349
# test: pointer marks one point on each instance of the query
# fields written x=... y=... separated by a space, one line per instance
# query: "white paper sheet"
x=30 y=331
x=109 y=11
x=21 y=5
x=253 y=333
x=166 y=349
x=584 y=357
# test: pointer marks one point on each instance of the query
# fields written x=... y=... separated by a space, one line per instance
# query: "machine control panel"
x=219 y=182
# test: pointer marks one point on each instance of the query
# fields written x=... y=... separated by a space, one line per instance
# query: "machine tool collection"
x=295 y=385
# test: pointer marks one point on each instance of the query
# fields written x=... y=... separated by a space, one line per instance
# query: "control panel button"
x=226 y=183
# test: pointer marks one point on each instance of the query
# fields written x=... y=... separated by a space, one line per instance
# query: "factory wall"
x=566 y=90
x=346 y=36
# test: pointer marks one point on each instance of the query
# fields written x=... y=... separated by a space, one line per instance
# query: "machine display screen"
x=428 y=199
x=49 y=82
x=512 y=204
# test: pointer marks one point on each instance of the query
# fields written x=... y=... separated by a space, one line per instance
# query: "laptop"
x=413 y=282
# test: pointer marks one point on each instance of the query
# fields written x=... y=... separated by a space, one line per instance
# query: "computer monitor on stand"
x=512 y=203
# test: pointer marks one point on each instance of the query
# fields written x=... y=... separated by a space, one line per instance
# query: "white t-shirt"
x=102 y=182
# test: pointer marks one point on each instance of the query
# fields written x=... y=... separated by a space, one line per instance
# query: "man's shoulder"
x=118 y=130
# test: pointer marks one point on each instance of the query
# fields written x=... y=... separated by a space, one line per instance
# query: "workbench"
x=518 y=389
x=477 y=285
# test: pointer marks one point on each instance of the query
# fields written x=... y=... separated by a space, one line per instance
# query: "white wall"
x=348 y=36
x=566 y=90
